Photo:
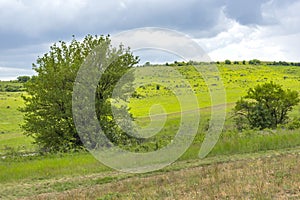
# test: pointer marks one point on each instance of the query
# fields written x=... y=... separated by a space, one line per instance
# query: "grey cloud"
x=253 y=12
x=181 y=15
x=12 y=73
x=24 y=24
x=37 y=21
x=245 y=11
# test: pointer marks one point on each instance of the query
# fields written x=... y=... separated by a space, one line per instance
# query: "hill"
x=249 y=164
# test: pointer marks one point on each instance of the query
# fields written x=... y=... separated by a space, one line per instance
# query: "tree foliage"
x=227 y=62
x=23 y=79
x=265 y=106
x=254 y=62
x=48 y=103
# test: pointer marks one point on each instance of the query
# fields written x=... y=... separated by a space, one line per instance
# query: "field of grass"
x=75 y=172
x=11 y=86
x=237 y=79
x=11 y=136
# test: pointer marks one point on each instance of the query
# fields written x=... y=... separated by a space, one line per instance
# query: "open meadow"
x=255 y=164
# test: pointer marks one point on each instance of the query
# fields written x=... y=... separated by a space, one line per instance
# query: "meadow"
x=267 y=154
x=11 y=135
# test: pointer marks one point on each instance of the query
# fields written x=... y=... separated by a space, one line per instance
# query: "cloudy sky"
x=225 y=29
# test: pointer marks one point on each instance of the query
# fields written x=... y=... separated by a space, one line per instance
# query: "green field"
x=11 y=136
x=22 y=176
x=237 y=79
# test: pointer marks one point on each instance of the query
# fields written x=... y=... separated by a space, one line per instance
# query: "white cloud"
x=278 y=41
x=244 y=43
x=163 y=40
x=8 y=73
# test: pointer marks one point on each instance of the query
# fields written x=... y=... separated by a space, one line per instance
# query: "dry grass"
x=271 y=177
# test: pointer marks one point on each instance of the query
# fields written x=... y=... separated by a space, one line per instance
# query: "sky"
x=226 y=29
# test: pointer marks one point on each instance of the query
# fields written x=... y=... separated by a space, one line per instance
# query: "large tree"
x=48 y=102
x=265 y=106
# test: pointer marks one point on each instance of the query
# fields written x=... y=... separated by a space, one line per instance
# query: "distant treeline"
x=283 y=63
x=229 y=62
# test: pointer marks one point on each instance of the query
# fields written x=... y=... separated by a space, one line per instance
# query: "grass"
x=10 y=142
x=11 y=86
x=10 y=117
x=237 y=79
x=256 y=142
x=267 y=175
x=11 y=136
x=34 y=175
x=266 y=178
x=43 y=167
x=50 y=166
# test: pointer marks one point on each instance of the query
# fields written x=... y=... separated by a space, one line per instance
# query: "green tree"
x=48 y=105
x=227 y=62
x=23 y=79
x=265 y=106
x=255 y=62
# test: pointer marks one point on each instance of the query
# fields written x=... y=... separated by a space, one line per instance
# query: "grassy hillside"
x=34 y=175
x=11 y=136
x=237 y=79
x=11 y=86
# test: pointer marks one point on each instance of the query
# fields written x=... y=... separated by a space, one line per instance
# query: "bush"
x=293 y=124
x=265 y=106
x=254 y=62
x=23 y=79
x=227 y=62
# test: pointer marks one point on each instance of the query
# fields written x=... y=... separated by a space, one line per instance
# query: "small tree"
x=48 y=105
x=255 y=62
x=227 y=62
x=23 y=79
x=265 y=106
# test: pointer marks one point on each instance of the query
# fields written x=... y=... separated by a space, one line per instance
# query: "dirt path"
x=174 y=114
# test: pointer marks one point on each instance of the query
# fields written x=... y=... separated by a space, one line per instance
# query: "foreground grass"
x=19 y=168
x=44 y=167
x=267 y=175
x=27 y=176
x=263 y=178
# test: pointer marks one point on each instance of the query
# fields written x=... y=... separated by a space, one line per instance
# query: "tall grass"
x=50 y=166
x=230 y=143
